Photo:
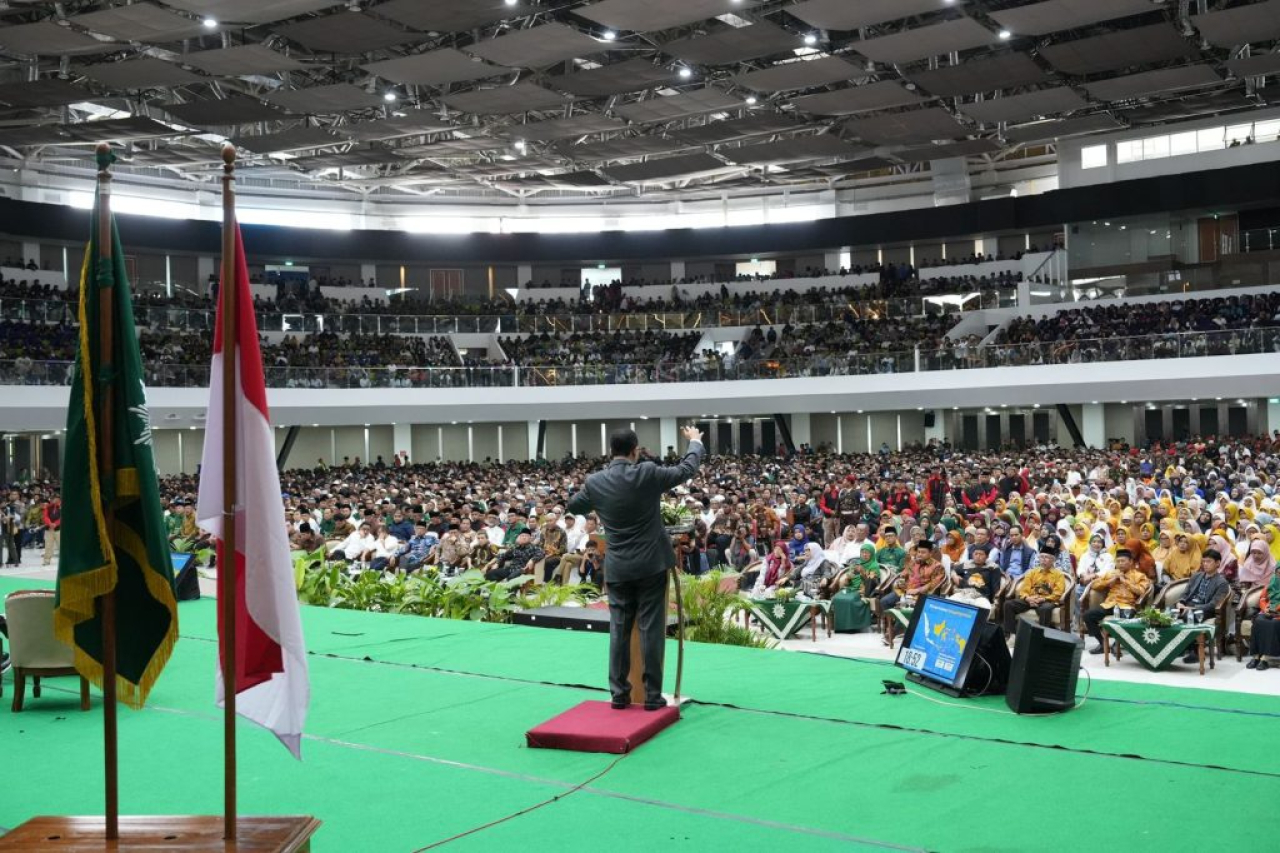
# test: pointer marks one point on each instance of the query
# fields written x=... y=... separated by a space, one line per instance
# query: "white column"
x=801 y=429
x=471 y=444
x=573 y=440
x=677 y=270
x=604 y=439
x=939 y=429
x=501 y=458
x=31 y=252
x=1024 y=294
x=1093 y=425
x=839 y=434
x=533 y=440
x=333 y=446
x=524 y=274
x=370 y=271
x=205 y=267
x=668 y=436
x=1273 y=416
x=439 y=443
x=402 y=439
x=831 y=260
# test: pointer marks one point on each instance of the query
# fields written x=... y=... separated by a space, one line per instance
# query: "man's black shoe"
x=620 y=704
x=1191 y=657
x=1096 y=650
x=655 y=704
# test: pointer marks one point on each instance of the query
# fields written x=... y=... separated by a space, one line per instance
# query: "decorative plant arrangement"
x=1154 y=618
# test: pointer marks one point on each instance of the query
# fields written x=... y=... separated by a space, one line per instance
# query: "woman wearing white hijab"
x=814 y=572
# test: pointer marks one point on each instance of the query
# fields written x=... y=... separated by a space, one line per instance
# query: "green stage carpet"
x=417 y=729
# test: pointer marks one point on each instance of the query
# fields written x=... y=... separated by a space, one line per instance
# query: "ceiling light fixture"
x=511 y=2
x=810 y=39
x=1005 y=35
x=210 y=23
x=751 y=100
x=389 y=96
x=686 y=73
x=610 y=35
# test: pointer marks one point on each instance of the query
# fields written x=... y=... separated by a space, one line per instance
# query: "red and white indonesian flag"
x=271 y=688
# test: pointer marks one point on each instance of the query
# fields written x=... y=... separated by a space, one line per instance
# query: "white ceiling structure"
x=559 y=99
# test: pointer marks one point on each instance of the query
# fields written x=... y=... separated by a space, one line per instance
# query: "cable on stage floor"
x=533 y=808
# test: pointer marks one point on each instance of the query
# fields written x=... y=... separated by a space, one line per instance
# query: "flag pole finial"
x=228 y=156
x=104 y=158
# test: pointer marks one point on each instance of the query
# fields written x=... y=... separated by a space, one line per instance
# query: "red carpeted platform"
x=596 y=727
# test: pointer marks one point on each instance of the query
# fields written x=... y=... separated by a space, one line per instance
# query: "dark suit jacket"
x=626 y=496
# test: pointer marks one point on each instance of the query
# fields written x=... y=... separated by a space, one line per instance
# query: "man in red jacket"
x=829 y=505
x=52 y=527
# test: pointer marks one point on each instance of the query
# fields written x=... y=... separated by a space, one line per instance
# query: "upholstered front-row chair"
x=33 y=650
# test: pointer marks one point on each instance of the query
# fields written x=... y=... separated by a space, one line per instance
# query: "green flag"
x=113 y=535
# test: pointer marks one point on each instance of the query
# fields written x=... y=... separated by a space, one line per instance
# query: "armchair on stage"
x=33 y=649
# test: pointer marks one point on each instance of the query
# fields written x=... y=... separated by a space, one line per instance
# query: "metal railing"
x=1094 y=350
x=169 y=318
x=959 y=357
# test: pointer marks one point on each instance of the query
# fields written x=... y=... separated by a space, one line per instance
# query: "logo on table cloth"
x=779 y=611
x=1150 y=636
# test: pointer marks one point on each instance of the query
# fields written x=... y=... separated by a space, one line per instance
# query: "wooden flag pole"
x=106 y=474
x=227 y=568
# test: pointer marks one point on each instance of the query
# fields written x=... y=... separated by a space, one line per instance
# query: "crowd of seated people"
x=18 y=263
x=847 y=345
x=602 y=357
x=296 y=297
x=1232 y=324
x=998 y=527
x=975 y=258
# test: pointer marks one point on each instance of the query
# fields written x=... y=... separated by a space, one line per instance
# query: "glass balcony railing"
x=162 y=317
x=959 y=357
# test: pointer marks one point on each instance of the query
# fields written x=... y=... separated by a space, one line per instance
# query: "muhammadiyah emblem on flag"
x=113 y=531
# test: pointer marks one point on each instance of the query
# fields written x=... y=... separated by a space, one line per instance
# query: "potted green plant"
x=676 y=518
x=1154 y=618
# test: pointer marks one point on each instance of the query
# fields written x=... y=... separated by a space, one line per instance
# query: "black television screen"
x=941 y=641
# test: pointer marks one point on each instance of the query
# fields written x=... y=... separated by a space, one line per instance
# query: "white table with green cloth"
x=1156 y=647
x=784 y=617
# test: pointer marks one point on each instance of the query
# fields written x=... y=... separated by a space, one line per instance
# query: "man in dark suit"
x=626 y=497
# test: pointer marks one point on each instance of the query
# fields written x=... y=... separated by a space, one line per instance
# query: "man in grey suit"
x=626 y=497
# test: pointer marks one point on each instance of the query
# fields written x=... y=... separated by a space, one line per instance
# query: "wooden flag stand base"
x=171 y=833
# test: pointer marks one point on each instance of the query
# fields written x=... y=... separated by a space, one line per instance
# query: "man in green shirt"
x=515 y=526
x=892 y=554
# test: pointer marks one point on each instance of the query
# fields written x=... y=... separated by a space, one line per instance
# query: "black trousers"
x=1093 y=621
x=1015 y=607
x=643 y=601
x=13 y=546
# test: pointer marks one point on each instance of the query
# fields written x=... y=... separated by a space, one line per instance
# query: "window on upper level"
x=1182 y=143
x=1186 y=142
x=1129 y=151
x=1093 y=156
x=1211 y=138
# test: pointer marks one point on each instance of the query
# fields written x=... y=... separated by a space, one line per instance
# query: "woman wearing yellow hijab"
x=1183 y=560
x=1271 y=534
x=1164 y=547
